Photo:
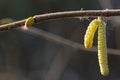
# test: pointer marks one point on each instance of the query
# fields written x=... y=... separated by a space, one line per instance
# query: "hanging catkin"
x=102 y=48
x=88 y=38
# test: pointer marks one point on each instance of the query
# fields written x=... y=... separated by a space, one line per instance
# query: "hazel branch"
x=66 y=14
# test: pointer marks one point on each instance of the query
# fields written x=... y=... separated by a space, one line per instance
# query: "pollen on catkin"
x=88 y=38
x=102 y=48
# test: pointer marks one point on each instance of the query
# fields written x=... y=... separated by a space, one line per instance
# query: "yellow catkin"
x=29 y=22
x=88 y=38
x=102 y=49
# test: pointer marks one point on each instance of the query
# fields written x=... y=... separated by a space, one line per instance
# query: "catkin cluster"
x=102 y=47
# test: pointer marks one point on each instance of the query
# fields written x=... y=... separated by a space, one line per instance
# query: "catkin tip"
x=106 y=73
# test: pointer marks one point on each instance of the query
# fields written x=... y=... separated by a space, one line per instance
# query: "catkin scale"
x=88 y=38
x=102 y=49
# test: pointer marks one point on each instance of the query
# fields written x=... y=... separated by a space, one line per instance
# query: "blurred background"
x=26 y=55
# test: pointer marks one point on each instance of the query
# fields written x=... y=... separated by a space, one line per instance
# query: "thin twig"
x=66 y=14
x=66 y=42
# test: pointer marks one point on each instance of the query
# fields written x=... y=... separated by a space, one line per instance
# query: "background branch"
x=66 y=14
x=66 y=42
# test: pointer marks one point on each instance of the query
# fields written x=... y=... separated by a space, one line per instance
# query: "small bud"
x=29 y=22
